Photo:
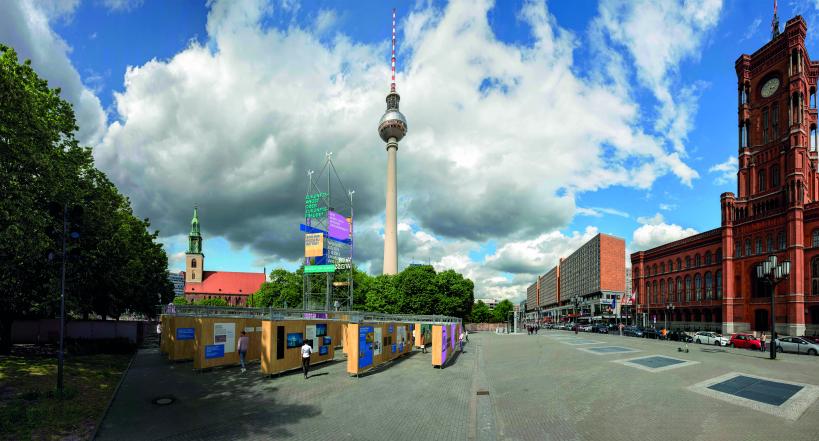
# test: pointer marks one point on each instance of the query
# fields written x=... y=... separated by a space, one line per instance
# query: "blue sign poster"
x=328 y=340
x=393 y=348
x=184 y=333
x=390 y=331
x=321 y=329
x=401 y=347
x=214 y=351
x=322 y=350
x=365 y=346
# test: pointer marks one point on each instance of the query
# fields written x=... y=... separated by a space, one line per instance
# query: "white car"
x=711 y=338
x=585 y=328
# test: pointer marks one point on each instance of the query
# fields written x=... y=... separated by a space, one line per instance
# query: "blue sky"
x=533 y=125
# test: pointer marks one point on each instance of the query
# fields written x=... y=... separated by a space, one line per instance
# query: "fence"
x=48 y=330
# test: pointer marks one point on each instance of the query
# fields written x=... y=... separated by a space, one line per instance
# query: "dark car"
x=680 y=336
x=600 y=328
x=811 y=338
x=652 y=333
x=632 y=331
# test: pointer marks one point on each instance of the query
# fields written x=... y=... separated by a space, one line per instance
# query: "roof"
x=224 y=282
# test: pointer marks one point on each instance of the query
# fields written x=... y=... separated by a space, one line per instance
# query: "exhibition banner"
x=444 y=342
x=225 y=334
x=365 y=346
x=313 y=245
x=309 y=269
x=338 y=226
x=377 y=341
x=184 y=333
x=214 y=351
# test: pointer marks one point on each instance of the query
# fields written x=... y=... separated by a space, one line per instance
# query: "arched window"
x=687 y=288
x=670 y=266
x=814 y=240
x=743 y=134
x=812 y=98
x=813 y=137
x=670 y=288
x=748 y=247
x=193 y=274
x=783 y=243
x=769 y=243
x=761 y=181
x=738 y=250
x=765 y=125
x=697 y=260
x=719 y=255
x=775 y=121
x=662 y=291
x=654 y=290
x=687 y=262
x=679 y=294
x=662 y=268
x=679 y=264
x=709 y=286
x=774 y=176
x=814 y=276
x=648 y=292
x=718 y=282
x=193 y=263
x=758 y=245
x=698 y=286
x=654 y=269
x=708 y=258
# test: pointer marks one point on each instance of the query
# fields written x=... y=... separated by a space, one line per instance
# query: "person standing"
x=762 y=342
x=466 y=335
x=461 y=340
x=244 y=342
x=306 y=351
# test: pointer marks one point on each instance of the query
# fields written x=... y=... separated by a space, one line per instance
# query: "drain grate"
x=163 y=401
x=483 y=392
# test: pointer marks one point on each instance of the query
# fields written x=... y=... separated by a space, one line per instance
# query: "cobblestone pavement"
x=504 y=387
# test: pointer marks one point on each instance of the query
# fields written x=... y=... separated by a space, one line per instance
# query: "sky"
x=533 y=125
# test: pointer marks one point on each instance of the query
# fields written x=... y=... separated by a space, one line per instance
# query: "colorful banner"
x=313 y=245
x=184 y=333
x=319 y=269
x=338 y=226
x=365 y=346
x=214 y=351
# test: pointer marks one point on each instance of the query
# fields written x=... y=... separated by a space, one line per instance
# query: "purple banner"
x=315 y=315
x=338 y=226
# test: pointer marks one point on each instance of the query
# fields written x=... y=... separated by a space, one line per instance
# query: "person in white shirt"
x=306 y=350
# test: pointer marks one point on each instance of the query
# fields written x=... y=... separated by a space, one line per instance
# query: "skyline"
x=500 y=96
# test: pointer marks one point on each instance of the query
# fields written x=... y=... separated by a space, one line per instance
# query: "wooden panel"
x=352 y=340
x=351 y=346
x=205 y=334
x=292 y=356
x=181 y=349
x=436 y=345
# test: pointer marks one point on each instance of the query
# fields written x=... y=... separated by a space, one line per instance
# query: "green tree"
x=418 y=290
x=455 y=294
x=211 y=302
x=383 y=295
x=180 y=300
x=502 y=309
x=481 y=313
x=282 y=288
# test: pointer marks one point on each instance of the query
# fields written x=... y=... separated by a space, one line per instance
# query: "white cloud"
x=599 y=211
x=122 y=5
x=655 y=232
x=726 y=171
x=754 y=26
x=668 y=207
x=326 y=19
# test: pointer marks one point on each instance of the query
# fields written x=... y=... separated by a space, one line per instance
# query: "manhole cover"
x=163 y=401
x=483 y=392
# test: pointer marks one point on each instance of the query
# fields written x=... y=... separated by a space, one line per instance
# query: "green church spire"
x=195 y=237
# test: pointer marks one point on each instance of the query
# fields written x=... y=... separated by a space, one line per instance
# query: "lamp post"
x=669 y=308
x=768 y=271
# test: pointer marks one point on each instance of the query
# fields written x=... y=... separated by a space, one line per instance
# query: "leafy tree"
x=456 y=294
x=502 y=310
x=180 y=300
x=481 y=313
x=418 y=289
x=282 y=288
x=211 y=302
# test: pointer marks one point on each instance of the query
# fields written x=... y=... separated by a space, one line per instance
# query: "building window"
x=687 y=262
x=670 y=288
x=743 y=136
x=654 y=269
x=783 y=243
x=719 y=255
x=774 y=176
x=193 y=263
x=648 y=292
x=679 y=264
x=758 y=245
x=738 y=250
x=814 y=240
x=662 y=291
x=670 y=266
x=748 y=247
x=696 y=261
x=709 y=287
x=708 y=258
x=678 y=292
x=698 y=286
x=718 y=282
x=775 y=121
x=193 y=274
x=813 y=138
x=765 y=125
x=814 y=276
x=687 y=288
x=761 y=180
x=662 y=268
x=769 y=243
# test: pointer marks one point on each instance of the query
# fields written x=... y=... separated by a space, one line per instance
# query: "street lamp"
x=668 y=309
x=768 y=271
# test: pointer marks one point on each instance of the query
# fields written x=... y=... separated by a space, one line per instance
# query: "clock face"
x=770 y=87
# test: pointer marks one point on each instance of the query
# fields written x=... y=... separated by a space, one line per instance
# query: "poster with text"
x=313 y=245
x=402 y=335
x=321 y=329
x=365 y=346
x=311 y=337
x=444 y=342
x=378 y=341
x=452 y=337
x=225 y=334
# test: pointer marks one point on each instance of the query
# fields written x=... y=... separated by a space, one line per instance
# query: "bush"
x=211 y=302
x=180 y=300
x=85 y=346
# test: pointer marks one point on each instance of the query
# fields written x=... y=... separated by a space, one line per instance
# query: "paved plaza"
x=504 y=387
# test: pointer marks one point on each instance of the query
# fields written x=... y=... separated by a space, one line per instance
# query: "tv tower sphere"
x=393 y=124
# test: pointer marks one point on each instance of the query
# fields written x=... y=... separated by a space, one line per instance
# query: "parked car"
x=680 y=336
x=746 y=341
x=632 y=331
x=813 y=338
x=652 y=333
x=798 y=345
x=711 y=338
x=585 y=328
x=600 y=328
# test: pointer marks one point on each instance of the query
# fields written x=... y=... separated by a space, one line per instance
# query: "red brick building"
x=582 y=284
x=234 y=287
x=709 y=279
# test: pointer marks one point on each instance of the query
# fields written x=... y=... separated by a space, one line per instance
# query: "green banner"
x=319 y=269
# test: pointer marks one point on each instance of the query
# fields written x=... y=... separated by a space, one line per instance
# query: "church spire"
x=774 y=24
x=195 y=237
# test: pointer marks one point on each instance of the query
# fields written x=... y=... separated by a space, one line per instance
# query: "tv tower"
x=392 y=128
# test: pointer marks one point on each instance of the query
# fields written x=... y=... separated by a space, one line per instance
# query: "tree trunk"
x=5 y=335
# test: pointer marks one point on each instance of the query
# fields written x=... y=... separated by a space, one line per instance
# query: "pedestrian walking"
x=466 y=335
x=762 y=342
x=244 y=342
x=306 y=350
x=461 y=341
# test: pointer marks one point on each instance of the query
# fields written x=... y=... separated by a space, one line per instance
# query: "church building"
x=234 y=287
x=709 y=281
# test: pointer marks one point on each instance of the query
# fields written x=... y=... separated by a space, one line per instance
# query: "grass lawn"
x=29 y=407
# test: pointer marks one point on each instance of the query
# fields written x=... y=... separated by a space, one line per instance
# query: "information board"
x=365 y=346
x=214 y=351
x=184 y=333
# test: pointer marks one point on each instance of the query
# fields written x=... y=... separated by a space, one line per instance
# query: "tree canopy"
x=114 y=264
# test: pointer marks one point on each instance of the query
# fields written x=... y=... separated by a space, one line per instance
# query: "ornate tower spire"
x=774 y=24
x=195 y=237
x=391 y=129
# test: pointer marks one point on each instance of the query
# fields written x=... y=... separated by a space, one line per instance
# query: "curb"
x=114 y=395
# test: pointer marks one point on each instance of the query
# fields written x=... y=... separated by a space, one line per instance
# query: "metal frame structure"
x=323 y=296
x=302 y=314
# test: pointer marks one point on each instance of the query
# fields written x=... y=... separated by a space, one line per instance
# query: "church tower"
x=194 y=259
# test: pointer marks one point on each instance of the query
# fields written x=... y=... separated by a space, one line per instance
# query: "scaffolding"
x=326 y=194
x=302 y=314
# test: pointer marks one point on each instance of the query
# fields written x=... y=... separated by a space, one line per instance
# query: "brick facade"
x=775 y=210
